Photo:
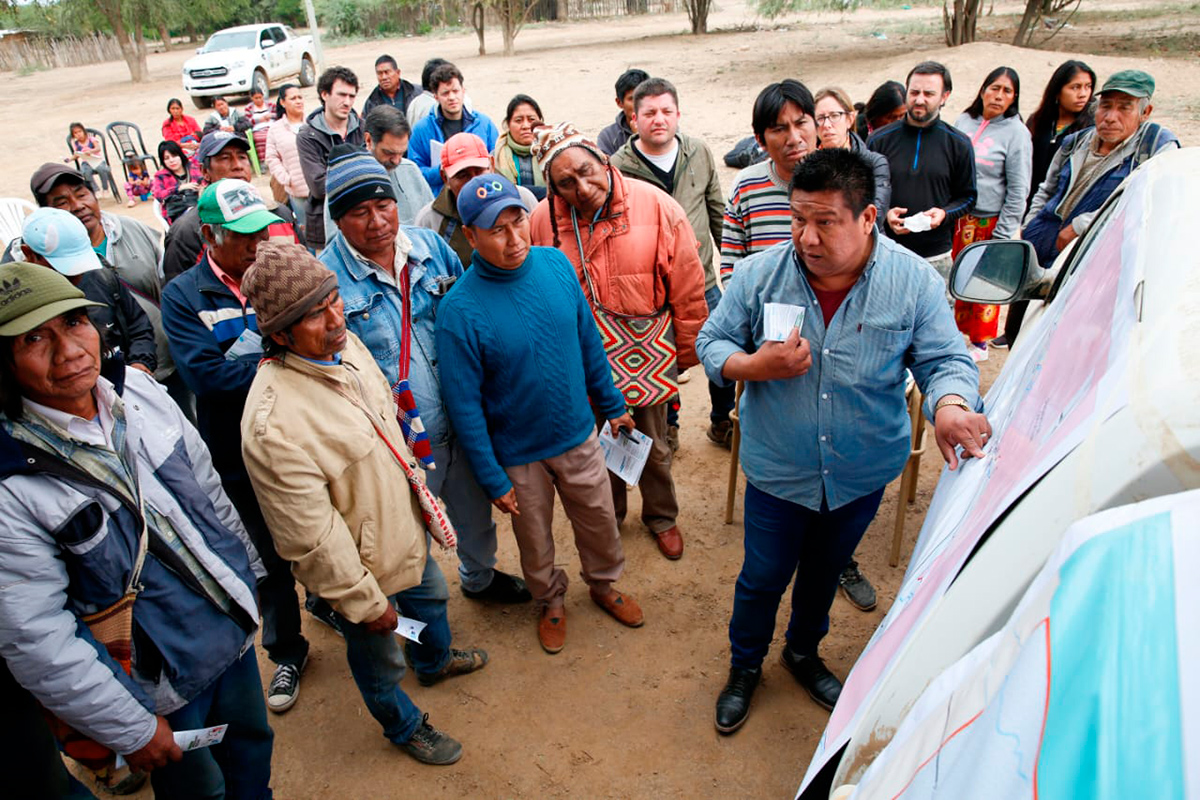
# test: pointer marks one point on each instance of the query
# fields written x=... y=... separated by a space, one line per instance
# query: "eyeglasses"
x=834 y=116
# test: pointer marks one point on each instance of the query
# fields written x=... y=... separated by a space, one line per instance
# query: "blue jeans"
x=720 y=397
x=785 y=539
x=377 y=662
x=239 y=768
x=470 y=510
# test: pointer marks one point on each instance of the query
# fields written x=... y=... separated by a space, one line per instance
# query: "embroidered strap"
x=406 y=405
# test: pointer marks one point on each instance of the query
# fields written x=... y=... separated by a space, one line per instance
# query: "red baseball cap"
x=464 y=150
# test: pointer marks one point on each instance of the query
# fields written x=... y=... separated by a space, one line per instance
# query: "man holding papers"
x=824 y=420
x=330 y=466
x=520 y=358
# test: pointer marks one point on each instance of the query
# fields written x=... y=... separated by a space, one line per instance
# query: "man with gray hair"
x=387 y=134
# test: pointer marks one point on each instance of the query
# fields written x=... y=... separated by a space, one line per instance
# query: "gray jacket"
x=1003 y=166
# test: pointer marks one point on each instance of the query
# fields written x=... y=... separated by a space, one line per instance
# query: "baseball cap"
x=61 y=239
x=464 y=150
x=1132 y=82
x=30 y=295
x=48 y=174
x=484 y=197
x=216 y=141
x=236 y=205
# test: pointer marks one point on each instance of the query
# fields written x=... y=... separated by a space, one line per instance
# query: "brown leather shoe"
x=552 y=629
x=622 y=607
x=670 y=542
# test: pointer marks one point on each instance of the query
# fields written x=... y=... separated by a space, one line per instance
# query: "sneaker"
x=504 y=588
x=430 y=746
x=673 y=438
x=284 y=690
x=979 y=351
x=858 y=589
x=324 y=614
x=461 y=662
x=999 y=343
x=721 y=433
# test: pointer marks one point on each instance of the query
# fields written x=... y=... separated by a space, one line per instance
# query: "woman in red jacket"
x=179 y=127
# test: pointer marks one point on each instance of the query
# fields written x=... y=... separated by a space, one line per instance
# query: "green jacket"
x=697 y=189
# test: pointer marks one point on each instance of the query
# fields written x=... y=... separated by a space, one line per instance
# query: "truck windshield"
x=232 y=40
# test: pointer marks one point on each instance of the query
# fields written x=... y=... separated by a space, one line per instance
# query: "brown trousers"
x=659 y=506
x=578 y=475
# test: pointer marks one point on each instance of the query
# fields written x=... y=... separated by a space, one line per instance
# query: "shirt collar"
x=403 y=245
x=97 y=431
x=223 y=277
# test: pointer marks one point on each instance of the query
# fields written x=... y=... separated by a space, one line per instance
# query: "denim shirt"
x=375 y=313
x=841 y=430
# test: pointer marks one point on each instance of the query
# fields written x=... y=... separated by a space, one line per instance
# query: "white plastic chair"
x=157 y=208
x=13 y=211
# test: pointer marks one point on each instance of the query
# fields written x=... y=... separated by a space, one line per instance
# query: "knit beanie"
x=284 y=283
x=352 y=177
x=549 y=142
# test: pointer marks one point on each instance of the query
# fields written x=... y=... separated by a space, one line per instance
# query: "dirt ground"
x=619 y=713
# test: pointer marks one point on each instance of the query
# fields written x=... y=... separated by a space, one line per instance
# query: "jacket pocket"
x=880 y=356
x=367 y=542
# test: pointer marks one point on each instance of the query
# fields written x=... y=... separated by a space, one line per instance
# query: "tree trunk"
x=477 y=23
x=960 y=26
x=139 y=42
x=563 y=8
x=1033 y=10
x=165 y=35
x=509 y=35
x=111 y=9
x=698 y=15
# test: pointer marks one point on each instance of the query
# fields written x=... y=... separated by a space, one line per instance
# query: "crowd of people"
x=191 y=425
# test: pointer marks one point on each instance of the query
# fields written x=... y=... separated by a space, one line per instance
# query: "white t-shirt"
x=665 y=162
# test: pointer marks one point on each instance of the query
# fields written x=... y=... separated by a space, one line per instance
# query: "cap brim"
x=71 y=266
x=487 y=217
x=251 y=223
x=27 y=322
x=1129 y=90
x=466 y=163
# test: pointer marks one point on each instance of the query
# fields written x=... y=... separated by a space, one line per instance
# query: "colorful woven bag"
x=641 y=348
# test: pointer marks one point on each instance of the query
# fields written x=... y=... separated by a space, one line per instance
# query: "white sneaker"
x=979 y=352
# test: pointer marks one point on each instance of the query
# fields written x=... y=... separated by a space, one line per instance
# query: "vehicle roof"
x=258 y=26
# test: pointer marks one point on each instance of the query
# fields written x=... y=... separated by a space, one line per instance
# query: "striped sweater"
x=757 y=215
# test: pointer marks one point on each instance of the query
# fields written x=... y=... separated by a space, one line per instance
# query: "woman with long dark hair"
x=1066 y=107
x=179 y=127
x=1003 y=160
x=177 y=185
x=511 y=157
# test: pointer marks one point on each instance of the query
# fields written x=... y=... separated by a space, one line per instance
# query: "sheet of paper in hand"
x=201 y=737
x=625 y=456
x=248 y=344
x=410 y=629
x=779 y=319
x=918 y=223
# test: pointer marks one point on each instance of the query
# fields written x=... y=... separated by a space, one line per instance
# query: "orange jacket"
x=642 y=255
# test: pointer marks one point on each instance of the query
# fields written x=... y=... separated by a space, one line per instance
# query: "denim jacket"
x=375 y=314
x=841 y=430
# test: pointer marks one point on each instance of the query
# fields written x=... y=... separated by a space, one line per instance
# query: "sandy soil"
x=619 y=713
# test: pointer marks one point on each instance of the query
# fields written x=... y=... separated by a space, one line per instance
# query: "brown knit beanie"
x=284 y=283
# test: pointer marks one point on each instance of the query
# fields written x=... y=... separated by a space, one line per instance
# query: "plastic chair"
x=253 y=153
x=912 y=469
x=99 y=137
x=13 y=211
x=157 y=208
x=123 y=136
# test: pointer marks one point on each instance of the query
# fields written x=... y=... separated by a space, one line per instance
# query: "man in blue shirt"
x=521 y=357
x=823 y=415
x=451 y=116
x=377 y=262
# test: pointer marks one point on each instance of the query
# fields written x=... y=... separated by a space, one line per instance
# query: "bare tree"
x=960 y=24
x=697 y=11
x=477 y=15
x=1051 y=15
x=513 y=14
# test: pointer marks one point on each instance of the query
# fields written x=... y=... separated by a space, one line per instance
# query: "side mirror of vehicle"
x=994 y=272
x=199 y=50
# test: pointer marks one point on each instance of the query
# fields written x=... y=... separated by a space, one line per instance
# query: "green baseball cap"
x=235 y=205
x=1132 y=82
x=31 y=295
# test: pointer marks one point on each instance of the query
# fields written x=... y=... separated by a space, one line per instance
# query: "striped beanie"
x=548 y=142
x=284 y=283
x=354 y=176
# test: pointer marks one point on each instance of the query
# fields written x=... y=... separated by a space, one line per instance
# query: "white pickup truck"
x=248 y=58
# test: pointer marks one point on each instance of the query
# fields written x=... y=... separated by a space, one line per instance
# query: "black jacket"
x=314 y=142
x=121 y=321
x=184 y=244
x=404 y=95
x=932 y=167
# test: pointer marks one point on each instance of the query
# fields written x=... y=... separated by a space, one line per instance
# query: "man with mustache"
x=322 y=447
x=933 y=167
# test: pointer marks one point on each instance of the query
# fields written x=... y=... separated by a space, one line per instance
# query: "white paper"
x=410 y=629
x=201 y=737
x=919 y=222
x=435 y=152
x=626 y=455
x=248 y=344
x=779 y=319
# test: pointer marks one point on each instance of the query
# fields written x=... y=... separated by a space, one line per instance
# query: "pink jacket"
x=642 y=254
x=283 y=160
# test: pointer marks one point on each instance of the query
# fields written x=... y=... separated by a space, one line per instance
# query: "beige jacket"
x=338 y=505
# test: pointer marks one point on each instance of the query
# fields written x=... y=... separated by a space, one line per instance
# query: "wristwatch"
x=952 y=400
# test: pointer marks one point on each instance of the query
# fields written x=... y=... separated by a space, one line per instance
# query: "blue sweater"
x=520 y=357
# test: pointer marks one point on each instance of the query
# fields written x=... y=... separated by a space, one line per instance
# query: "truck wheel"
x=200 y=101
x=308 y=71
x=259 y=83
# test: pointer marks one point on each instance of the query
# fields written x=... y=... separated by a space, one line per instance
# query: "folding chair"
x=123 y=136
x=13 y=211
x=912 y=469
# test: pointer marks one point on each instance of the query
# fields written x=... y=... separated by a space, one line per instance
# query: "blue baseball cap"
x=61 y=239
x=484 y=197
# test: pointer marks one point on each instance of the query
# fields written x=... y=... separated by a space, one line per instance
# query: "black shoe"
x=323 y=613
x=504 y=588
x=811 y=673
x=858 y=589
x=430 y=746
x=733 y=704
x=999 y=343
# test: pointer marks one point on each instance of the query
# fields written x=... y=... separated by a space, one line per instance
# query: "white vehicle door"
x=286 y=61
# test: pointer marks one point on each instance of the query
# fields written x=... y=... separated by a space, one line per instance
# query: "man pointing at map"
x=823 y=415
